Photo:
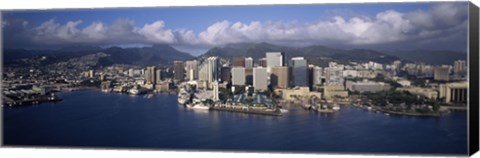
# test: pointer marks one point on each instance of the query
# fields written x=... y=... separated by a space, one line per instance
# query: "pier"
x=249 y=111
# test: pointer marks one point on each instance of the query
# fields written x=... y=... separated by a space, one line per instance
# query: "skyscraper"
x=334 y=74
x=178 y=70
x=279 y=77
x=274 y=59
x=317 y=75
x=299 y=71
x=459 y=67
x=192 y=70
x=212 y=69
x=150 y=76
x=226 y=74
x=262 y=62
x=159 y=76
x=215 y=91
x=238 y=62
x=260 y=82
x=209 y=71
x=249 y=62
x=238 y=76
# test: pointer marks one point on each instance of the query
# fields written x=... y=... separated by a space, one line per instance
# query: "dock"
x=249 y=111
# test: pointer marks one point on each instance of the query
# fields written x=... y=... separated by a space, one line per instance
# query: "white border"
x=82 y=153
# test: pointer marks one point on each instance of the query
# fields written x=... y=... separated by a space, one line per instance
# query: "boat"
x=325 y=110
x=137 y=91
x=283 y=111
x=200 y=107
x=336 y=107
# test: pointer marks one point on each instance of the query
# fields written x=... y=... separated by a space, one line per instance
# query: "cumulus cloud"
x=444 y=22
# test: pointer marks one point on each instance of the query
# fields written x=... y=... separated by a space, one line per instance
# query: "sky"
x=381 y=26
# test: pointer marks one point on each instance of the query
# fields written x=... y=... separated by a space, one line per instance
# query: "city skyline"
x=378 y=26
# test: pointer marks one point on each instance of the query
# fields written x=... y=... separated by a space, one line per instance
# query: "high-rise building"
x=238 y=76
x=279 y=77
x=317 y=75
x=150 y=76
x=441 y=74
x=262 y=62
x=215 y=91
x=299 y=71
x=159 y=76
x=178 y=70
x=226 y=74
x=249 y=62
x=191 y=70
x=459 y=67
x=209 y=71
x=213 y=69
x=274 y=59
x=238 y=62
x=249 y=76
x=260 y=82
x=334 y=74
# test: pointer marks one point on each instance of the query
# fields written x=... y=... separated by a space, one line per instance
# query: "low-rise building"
x=299 y=93
x=429 y=93
x=334 y=90
x=367 y=86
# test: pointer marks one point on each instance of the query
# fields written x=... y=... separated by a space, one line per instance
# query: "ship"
x=137 y=90
x=199 y=106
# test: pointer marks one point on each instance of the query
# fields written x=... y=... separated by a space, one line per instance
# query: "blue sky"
x=338 y=25
x=199 y=18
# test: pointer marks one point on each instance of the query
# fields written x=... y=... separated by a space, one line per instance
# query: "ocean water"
x=93 y=119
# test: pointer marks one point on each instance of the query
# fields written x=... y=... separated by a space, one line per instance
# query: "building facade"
x=280 y=77
x=260 y=79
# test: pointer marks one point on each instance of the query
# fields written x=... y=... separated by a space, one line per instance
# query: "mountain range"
x=156 y=54
x=165 y=54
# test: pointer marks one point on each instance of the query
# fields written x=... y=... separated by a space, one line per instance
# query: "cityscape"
x=414 y=89
x=149 y=87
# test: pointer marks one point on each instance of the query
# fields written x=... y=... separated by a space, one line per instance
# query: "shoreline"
x=248 y=111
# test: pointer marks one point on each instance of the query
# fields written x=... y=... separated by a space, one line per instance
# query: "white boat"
x=336 y=107
x=283 y=110
x=200 y=107
x=137 y=91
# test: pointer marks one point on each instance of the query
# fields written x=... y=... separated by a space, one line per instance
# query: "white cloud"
x=443 y=21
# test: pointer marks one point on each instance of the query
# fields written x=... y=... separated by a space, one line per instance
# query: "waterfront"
x=91 y=118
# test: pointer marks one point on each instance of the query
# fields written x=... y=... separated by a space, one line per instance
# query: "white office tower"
x=249 y=62
x=215 y=91
x=260 y=80
x=238 y=76
x=274 y=59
